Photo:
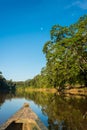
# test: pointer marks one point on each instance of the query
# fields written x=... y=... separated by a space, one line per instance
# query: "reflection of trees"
x=63 y=113
x=38 y=97
x=4 y=96
x=60 y=110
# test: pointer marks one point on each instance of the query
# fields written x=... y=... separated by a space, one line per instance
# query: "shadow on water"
x=64 y=113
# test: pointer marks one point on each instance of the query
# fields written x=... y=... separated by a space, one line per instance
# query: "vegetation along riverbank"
x=66 y=59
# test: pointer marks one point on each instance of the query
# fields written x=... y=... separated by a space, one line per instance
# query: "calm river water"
x=56 y=112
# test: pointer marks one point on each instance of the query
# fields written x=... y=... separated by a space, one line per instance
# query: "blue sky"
x=25 y=27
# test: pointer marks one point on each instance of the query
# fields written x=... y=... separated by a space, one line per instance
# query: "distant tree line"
x=66 y=56
x=6 y=85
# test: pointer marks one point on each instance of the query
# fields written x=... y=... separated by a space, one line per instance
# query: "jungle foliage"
x=66 y=56
x=6 y=85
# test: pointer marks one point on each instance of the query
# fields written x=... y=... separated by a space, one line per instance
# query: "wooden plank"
x=25 y=118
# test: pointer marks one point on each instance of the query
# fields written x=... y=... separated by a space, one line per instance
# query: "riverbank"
x=47 y=90
x=76 y=91
x=52 y=90
x=72 y=91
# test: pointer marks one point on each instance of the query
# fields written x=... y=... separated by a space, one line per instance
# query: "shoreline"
x=48 y=90
x=76 y=91
x=72 y=91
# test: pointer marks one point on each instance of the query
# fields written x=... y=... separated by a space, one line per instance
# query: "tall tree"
x=66 y=54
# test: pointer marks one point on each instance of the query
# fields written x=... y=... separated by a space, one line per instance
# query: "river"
x=57 y=112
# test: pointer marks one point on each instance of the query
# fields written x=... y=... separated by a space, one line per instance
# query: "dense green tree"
x=66 y=54
x=6 y=85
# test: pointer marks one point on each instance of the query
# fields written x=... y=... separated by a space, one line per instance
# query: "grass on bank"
x=77 y=90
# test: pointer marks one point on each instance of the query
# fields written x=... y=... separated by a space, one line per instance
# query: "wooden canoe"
x=24 y=119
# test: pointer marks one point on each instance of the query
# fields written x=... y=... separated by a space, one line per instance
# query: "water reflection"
x=57 y=112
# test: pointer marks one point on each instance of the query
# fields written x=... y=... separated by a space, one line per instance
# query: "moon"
x=41 y=28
